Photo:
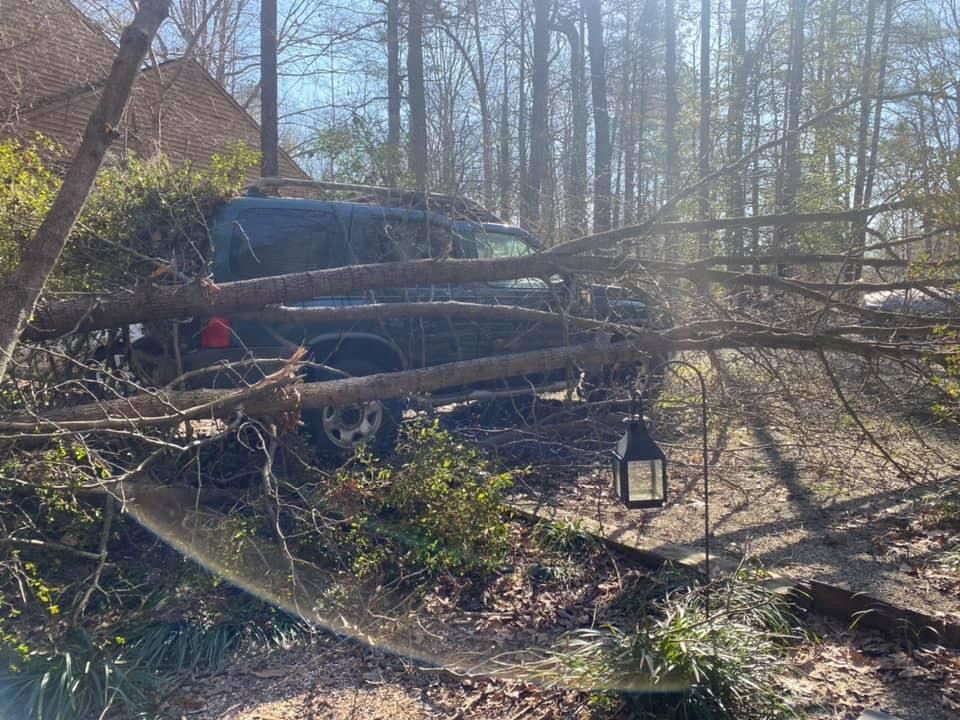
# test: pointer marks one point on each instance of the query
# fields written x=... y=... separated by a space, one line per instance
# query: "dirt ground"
x=798 y=485
x=835 y=678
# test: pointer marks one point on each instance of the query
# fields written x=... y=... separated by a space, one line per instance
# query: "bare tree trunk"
x=824 y=143
x=878 y=108
x=863 y=125
x=576 y=200
x=522 y=139
x=269 y=134
x=785 y=237
x=393 y=91
x=538 y=114
x=486 y=124
x=628 y=124
x=601 y=117
x=86 y=312
x=736 y=203
x=22 y=288
x=703 y=149
x=671 y=178
x=867 y=166
x=417 y=95
x=505 y=158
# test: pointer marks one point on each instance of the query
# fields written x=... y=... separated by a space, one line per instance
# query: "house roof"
x=46 y=47
x=175 y=108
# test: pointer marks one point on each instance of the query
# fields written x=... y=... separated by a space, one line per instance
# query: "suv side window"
x=393 y=239
x=267 y=241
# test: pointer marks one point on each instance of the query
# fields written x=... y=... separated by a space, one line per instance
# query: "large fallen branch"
x=171 y=408
x=442 y=309
x=94 y=312
x=275 y=395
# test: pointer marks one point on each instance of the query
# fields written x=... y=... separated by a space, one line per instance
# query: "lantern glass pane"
x=646 y=480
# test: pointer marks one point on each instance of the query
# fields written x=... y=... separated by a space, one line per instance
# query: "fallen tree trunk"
x=93 y=312
x=275 y=394
x=444 y=309
x=270 y=396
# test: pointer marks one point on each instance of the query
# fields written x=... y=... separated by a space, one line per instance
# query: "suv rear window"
x=269 y=241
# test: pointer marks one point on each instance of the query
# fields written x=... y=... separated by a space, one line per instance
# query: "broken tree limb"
x=21 y=290
x=445 y=309
x=609 y=239
x=265 y=400
x=171 y=408
x=95 y=312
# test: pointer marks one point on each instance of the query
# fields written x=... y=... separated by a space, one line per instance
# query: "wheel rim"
x=353 y=425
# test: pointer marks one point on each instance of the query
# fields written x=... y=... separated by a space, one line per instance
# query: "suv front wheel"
x=338 y=430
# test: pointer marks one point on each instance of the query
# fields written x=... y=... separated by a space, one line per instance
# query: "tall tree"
x=736 y=201
x=576 y=186
x=417 y=95
x=785 y=235
x=703 y=144
x=393 y=91
x=269 y=132
x=672 y=102
x=602 y=151
x=539 y=136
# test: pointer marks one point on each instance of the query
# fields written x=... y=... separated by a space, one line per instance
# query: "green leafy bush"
x=26 y=192
x=145 y=219
x=439 y=505
x=150 y=220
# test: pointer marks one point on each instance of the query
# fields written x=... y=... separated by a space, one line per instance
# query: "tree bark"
x=538 y=116
x=576 y=186
x=671 y=172
x=417 y=95
x=486 y=122
x=505 y=158
x=21 y=290
x=736 y=202
x=785 y=237
x=394 y=153
x=863 y=125
x=157 y=303
x=703 y=145
x=275 y=395
x=601 y=117
x=269 y=133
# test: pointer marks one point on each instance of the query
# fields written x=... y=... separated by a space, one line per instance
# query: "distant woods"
x=572 y=116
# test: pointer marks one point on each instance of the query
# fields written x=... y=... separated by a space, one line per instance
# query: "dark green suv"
x=258 y=235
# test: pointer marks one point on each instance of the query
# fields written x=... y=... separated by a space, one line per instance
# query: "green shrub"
x=438 y=505
x=26 y=192
x=149 y=220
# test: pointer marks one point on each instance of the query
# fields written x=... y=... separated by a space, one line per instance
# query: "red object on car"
x=216 y=333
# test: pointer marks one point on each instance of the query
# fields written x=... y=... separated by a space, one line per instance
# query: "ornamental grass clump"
x=679 y=662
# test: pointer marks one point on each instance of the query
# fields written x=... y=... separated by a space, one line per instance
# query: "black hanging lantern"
x=639 y=466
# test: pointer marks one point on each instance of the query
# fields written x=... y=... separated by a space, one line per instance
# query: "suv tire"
x=338 y=431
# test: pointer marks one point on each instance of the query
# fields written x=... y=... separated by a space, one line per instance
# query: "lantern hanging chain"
x=706 y=473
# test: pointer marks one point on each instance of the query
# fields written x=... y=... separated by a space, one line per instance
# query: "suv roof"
x=454 y=207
